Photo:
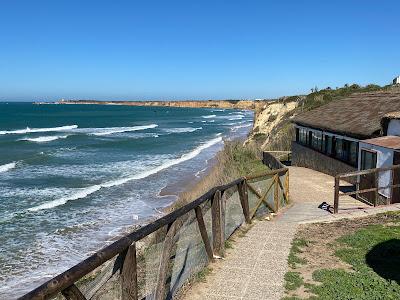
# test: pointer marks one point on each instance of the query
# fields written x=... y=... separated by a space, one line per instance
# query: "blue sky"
x=193 y=49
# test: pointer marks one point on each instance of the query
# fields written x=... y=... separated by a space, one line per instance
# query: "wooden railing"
x=373 y=189
x=273 y=158
x=125 y=248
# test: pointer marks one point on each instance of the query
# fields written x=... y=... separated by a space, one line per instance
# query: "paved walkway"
x=255 y=267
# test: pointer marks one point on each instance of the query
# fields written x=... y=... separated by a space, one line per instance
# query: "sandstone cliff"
x=225 y=104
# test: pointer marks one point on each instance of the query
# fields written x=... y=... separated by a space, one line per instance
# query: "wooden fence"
x=125 y=248
x=374 y=198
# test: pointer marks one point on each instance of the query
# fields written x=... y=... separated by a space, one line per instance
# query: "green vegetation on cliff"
x=282 y=134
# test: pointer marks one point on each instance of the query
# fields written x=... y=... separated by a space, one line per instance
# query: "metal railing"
x=269 y=188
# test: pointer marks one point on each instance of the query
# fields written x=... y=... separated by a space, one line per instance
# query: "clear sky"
x=193 y=49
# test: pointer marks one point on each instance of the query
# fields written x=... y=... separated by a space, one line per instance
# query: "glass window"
x=316 y=140
x=353 y=153
x=339 y=149
x=328 y=144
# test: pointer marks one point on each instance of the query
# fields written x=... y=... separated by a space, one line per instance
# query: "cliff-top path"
x=255 y=266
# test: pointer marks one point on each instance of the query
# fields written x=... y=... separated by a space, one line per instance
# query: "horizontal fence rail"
x=270 y=188
x=375 y=186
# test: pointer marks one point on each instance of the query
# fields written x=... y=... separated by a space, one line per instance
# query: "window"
x=353 y=153
x=368 y=159
x=339 y=153
x=328 y=145
x=302 y=136
x=316 y=140
x=346 y=151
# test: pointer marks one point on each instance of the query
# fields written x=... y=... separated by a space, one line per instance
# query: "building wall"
x=309 y=158
x=384 y=158
x=394 y=127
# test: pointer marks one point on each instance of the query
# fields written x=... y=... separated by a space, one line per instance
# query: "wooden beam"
x=276 y=192
x=164 y=262
x=73 y=293
x=217 y=226
x=263 y=199
x=336 y=195
x=287 y=187
x=269 y=173
x=376 y=188
x=369 y=171
x=369 y=190
x=203 y=232
x=253 y=189
x=283 y=189
x=244 y=201
x=129 y=285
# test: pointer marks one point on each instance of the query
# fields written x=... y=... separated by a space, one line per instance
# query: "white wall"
x=384 y=158
x=394 y=127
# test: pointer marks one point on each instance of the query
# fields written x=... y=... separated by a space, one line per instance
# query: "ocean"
x=73 y=177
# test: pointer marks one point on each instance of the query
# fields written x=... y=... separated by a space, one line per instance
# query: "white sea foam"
x=198 y=173
x=235 y=128
x=44 y=139
x=183 y=129
x=33 y=130
x=84 y=192
x=112 y=130
x=238 y=117
x=209 y=116
x=7 y=167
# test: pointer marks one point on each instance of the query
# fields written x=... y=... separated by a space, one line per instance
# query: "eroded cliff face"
x=270 y=121
x=224 y=104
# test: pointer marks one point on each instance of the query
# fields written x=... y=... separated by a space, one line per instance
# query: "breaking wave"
x=33 y=130
x=44 y=139
x=183 y=129
x=84 y=192
x=209 y=116
x=7 y=167
x=112 y=130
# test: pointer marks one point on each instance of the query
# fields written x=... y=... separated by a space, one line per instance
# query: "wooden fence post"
x=244 y=201
x=203 y=232
x=164 y=262
x=129 y=285
x=336 y=196
x=377 y=188
x=217 y=226
x=287 y=186
x=73 y=293
x=389 y=200
x=276 y=192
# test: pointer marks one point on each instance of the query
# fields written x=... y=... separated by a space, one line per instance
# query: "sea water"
x=74 y=177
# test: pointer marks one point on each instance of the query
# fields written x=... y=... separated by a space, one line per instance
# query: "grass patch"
x=348 y=259
x=294 y=259
x=202 y=275
x=229 y=244
x=293 y=281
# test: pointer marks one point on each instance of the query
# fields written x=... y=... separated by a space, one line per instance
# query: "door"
x=367 y=181
x=396 y=178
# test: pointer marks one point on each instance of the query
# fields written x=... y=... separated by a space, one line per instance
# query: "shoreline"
x=215 y=104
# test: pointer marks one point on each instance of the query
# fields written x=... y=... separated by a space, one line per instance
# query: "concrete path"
x=255 y=267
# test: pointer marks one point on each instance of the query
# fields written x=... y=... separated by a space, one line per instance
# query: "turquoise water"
x=73 y=177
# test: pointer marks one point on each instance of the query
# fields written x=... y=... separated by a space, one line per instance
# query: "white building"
x=396 y=80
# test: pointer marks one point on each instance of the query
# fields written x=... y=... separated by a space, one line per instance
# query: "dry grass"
x=234 y=161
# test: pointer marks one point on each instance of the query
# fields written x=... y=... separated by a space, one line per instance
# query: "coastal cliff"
x=223 y=104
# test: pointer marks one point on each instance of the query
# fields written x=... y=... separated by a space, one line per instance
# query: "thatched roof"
x=358 y=115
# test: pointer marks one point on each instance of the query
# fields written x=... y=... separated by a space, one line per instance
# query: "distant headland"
x=224 y=104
